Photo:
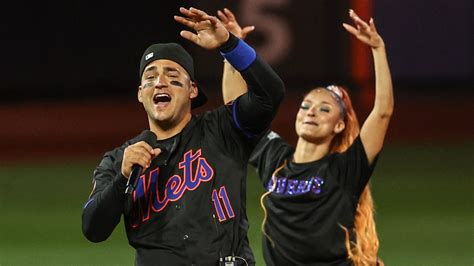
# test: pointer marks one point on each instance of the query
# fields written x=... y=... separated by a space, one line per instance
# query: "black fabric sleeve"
x=269 y=154
x=253 y=111
x=357 y=169
x=230 y=44
x=103 y=210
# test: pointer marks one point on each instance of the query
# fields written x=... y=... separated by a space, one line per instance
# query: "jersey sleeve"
x=268 y=155
x=253 y=111
x=225 y=135
x=103 y=210
x=356 y=169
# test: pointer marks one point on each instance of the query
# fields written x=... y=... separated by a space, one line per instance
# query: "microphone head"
x=149 y=137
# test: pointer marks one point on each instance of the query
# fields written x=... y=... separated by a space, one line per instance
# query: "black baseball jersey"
x=190 y=210
x=309 y=201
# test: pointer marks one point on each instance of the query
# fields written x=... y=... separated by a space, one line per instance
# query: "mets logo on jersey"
x=147 y=197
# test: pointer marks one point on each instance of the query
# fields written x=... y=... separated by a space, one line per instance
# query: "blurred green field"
x=423 y=194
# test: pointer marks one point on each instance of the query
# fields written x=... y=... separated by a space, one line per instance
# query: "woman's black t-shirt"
x=309 y=202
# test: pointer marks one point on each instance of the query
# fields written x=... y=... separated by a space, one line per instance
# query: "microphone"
x=150 y=138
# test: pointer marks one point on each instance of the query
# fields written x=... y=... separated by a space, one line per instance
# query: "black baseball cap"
x=175 y=53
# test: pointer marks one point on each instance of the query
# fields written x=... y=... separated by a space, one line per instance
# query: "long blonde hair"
x=364 y=250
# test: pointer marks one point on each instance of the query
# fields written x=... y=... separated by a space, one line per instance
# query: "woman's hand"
x=231 y=24
x=365 y=32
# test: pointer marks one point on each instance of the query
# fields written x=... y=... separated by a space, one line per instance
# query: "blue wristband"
x=241 y=57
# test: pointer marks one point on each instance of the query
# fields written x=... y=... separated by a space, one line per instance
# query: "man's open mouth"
x=161 y=98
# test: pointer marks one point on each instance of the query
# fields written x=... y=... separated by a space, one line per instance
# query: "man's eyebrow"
x=152 y=68
x=171 y=69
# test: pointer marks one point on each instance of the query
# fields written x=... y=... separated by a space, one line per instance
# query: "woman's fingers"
x=372 y=25
x=229 y=14
x=247 y=30
x=222 y=17
x=358 y=21
x=350 y=29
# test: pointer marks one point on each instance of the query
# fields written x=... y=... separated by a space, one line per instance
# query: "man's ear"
x=193 y=90
x=340 y=126
x=139 y=94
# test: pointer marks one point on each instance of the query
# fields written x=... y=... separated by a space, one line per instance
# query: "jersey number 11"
x=217 y=198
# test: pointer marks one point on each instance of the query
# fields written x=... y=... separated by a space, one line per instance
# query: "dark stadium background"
x=69 y=74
